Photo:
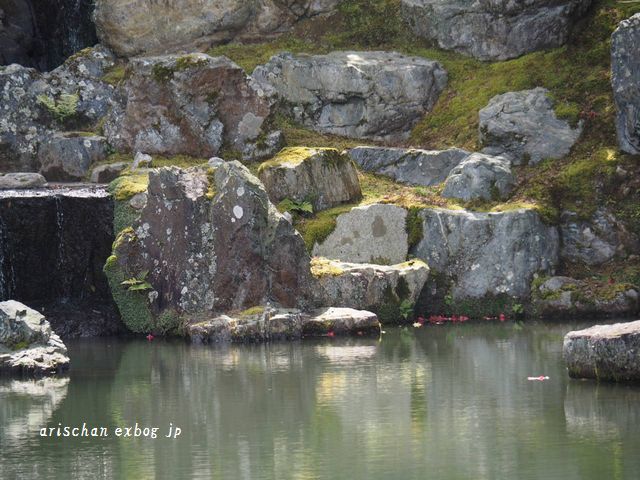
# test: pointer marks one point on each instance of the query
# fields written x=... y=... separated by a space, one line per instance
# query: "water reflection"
x=449 y=403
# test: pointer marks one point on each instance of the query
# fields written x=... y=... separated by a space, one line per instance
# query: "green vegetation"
x=298 y=208
x=114 y=75
x=323 y=267
x=127 y=185
x=253 y=311
x=163 y=72
x=63 y=108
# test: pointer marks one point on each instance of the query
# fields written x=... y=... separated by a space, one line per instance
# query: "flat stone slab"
x=409 y=166
x=264 y=324
x=21 y=181
x=604 y=352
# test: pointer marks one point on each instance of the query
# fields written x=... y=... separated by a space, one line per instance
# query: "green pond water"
x=449 y=402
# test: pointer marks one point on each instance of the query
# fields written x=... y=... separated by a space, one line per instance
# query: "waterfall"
x=61 y=254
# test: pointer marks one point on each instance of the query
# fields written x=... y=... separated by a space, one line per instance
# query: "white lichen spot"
x=240 y=191
x=184 y=290
x=238 y=212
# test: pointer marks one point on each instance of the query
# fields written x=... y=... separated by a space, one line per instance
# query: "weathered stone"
x=480 y=176
x=212 y=242
x=604 y=352
x=142 y=160
x=68 y=157
x=108 y=172
x=377 y=288
x=523 y=127
x=494 y=29
x=596 y=241
x=488 y=254
x=276 y=324
x=20 y=181
x=27 y=344
x=379 y=95
x=324 y=177
x=190 y=104
x=36 y=105
x=409 y=166
x=370 y=234
x=149 y=27
x=562 y=296
x=625 y=77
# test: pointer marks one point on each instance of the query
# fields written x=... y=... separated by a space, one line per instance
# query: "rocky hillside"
x=497 y=144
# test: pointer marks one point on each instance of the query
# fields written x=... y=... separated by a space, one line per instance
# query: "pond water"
x=449 y=402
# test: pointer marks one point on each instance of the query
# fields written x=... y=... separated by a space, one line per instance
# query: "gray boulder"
x=210 y=241
x=480 y=176
x=494 y=29
x=409 y=166
x=68 y=157
x=604 y=352
x=369 y=234
x=149 y=27
x=108 y=172
x=488 y=254
x=563 y=296
x=596 y=241
x=378 y=95
x=523 y=127
x=377 y=288
x=625 y=77
x=36 y=105
x=190 y=104
x=27 y=343
x=266 y=324
x=21 y=181
x=324 y=177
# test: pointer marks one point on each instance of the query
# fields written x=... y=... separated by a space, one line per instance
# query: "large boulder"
x=523 y=127
x=494 y=29
x=378 y=95
x=480 y=176
x=379 y=288
x=21 y=181
x=409 y=166
x=268 y=324
x=487 y=254
x=564 y=296
x=36 y=105
x=324 y=177
x=27 y=343
x=595 y=241
x=208 y=240
x=69 y=157
x=190 y=104
x=151 y=27
x=604 y=352
x=374 y=233
x=625 y=77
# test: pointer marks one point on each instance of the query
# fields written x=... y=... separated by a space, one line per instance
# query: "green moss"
x=169 y=322
x=126 y=186
x=250 y=312
x=63 y=108
x=211 y=189
x=115 y=75
x=133 y=306
x=19 y=346
x=323 y=267
x=317 y=229
x=414 y=226
x=124 y=216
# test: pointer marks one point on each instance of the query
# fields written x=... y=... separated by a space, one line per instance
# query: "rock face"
x=27 y=344
x=480 y=176
x=70 y=157
x=284 y=324
x=625 y=76
x=107 y=173
x=43 y=33
x=560 y=296
x=494 y=29
x=378 y=288
x=65 y=273
x=596 y=241
x=409 y=166
x=604 y=352
x=370 y=234
x=149 y=27
x=190 y=104
x=323 y=177
x=35 y=106
x=211 y=242
x=378 y=95
x=20 y=181
x=487 y=254
x=523 y=126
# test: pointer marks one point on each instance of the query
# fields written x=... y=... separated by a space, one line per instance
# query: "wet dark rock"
x=69 y=157
x=604 y=352
x=107 y=173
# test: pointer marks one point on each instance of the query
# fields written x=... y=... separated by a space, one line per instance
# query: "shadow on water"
x=453 y=402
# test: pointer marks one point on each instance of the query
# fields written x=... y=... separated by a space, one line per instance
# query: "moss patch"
x=115 y=75
x=253 y=311
x=323 y=267
x=128 y=185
